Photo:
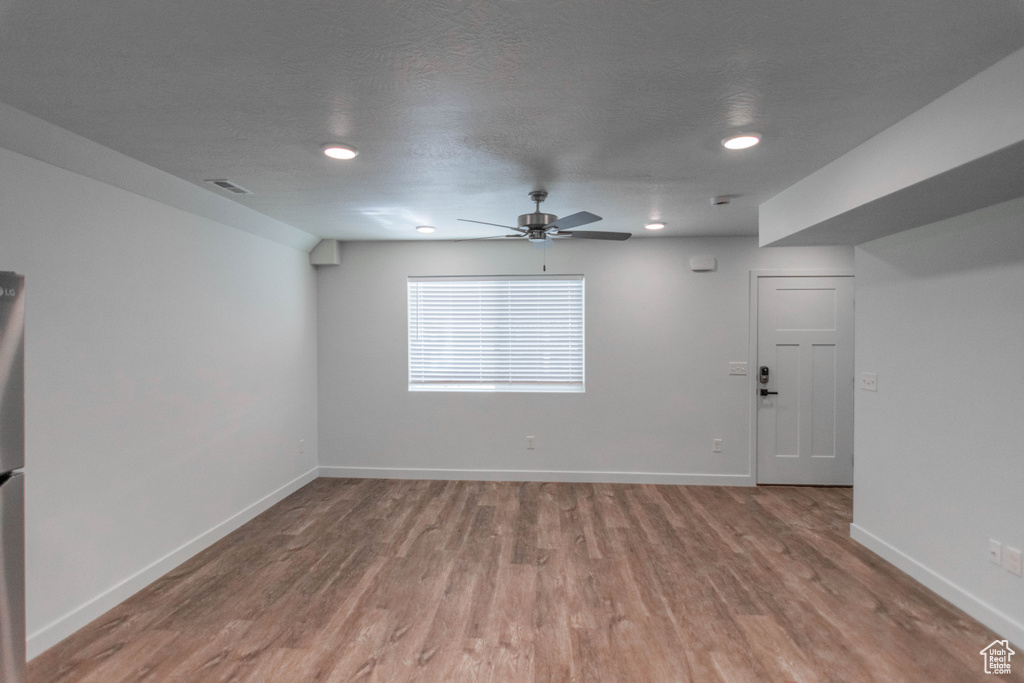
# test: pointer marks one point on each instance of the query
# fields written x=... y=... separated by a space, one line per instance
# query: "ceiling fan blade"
x=492 y=237
x=573 y=220
x=497 y=225
x=596 y=235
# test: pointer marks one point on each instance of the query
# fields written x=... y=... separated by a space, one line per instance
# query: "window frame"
x=573 y=350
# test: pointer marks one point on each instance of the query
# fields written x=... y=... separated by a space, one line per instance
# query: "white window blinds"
x=501 y=333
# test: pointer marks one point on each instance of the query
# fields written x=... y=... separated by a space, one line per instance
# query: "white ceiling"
x=460 y=107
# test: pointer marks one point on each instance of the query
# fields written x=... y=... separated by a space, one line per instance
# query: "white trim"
x=1002 y=624
x=539 y=475
x=752 y=347
x=61 y=628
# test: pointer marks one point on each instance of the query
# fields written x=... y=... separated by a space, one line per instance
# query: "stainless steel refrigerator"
x=12 y=478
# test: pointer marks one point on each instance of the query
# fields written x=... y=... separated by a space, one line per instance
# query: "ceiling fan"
x=540 y=227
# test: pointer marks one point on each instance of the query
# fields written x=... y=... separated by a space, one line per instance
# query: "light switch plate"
x=737 y=368
x=869 y=381
x=1011 y=560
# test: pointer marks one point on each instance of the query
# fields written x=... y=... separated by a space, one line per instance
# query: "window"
x=501 y=333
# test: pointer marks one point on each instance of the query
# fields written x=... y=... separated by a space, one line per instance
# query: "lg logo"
x=8 y=292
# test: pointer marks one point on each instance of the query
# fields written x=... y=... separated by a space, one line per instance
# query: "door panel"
x=805 y=337
x=784 y=411
x=823 y=409
x=805 y=309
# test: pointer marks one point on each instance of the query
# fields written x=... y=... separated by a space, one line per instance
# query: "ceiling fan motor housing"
x=536 y=220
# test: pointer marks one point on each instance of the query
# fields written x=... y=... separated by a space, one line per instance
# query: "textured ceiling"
x=459 y=108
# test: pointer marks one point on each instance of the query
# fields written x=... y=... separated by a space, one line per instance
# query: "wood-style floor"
x=371 y=580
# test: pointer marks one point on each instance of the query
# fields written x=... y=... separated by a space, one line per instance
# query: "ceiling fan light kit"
x=425 y=229
x=656 y=225
x=539 y=227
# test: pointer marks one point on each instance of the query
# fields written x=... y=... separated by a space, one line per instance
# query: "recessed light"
x=655 y=226
x=337 y=150
x=741 y=141
x=425 y=229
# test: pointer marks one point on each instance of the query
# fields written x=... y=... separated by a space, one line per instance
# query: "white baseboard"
x=539 y=475
x=61 y=628
x=1001 y=623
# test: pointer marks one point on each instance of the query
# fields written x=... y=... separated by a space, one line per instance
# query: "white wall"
x=171 y=371
x=659 y=339
x=940 y=446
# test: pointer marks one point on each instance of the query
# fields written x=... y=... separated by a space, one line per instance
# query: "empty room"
x=511 y=341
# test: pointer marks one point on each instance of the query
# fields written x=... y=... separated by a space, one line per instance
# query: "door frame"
x=755 y=276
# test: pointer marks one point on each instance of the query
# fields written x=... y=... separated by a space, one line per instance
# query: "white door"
x=805 y=340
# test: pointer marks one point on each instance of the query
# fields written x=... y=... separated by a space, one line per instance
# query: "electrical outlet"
x=716 y=446
x=869 y=381
x=529 y=443
x=1011 y=560
x=736 y=368
x=995 y=551
x=302 y=446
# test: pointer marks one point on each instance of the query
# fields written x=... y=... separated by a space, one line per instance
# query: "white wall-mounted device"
x=326 y=253
x=703 y=264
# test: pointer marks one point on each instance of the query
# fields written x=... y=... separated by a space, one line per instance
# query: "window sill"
x=501 y=388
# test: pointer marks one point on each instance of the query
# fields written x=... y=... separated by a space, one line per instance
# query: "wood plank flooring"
x=373 y=580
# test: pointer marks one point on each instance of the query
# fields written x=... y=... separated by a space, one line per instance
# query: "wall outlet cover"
x=737 y=368
x=869 y=381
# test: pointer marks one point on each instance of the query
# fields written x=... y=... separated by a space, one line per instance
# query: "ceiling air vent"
x=229 y=186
